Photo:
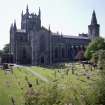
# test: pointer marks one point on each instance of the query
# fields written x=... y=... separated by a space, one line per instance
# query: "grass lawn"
x=15 y=85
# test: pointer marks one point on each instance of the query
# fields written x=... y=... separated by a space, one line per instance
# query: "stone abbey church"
x=36 y=45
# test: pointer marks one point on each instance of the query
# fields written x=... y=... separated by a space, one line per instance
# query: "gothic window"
x=69 y=51
x=42 y=43
x=21 y=38
x=63 y=52
x=24 y=54
x=56 y=52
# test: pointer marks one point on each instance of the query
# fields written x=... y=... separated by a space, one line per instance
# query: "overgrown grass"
x=75 y=86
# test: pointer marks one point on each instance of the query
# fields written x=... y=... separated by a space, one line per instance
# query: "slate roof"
x=74 y=37
x=70 y=36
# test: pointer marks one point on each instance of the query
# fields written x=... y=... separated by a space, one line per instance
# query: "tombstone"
x=11 y=68
x=67 y=71
x=30 y=85
x=5 y=66
x=94 y=66
x=88 y=76
x=73 y=68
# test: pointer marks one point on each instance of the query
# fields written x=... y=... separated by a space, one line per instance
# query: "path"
x=37 y=75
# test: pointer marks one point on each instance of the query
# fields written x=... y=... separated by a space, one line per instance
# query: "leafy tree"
x=99 y=58
x=101 y=61
x=96 y=51
x=95 y=57
x=6 y=49
x=94 y=46
x=101 y=82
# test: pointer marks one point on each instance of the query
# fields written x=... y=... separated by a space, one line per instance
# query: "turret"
x=15 y=27
x=27 y=10
x=11 y=28
x=94 y=19
x=93 y=28
x=49 y=29
x=38 y=25
x=39 y=13
x=12 y=34
x=21 y=19
x=22 y=14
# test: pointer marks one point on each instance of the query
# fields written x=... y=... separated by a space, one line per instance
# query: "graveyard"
x=72 y=83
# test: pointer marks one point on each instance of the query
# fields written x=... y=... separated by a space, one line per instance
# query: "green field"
x=77 y=88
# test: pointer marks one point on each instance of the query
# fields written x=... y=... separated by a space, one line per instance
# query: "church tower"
x=94 y=27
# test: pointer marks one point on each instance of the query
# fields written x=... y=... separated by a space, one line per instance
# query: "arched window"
x=56 y=52
x=42 y=43
x=63 y=52
x=24 y=56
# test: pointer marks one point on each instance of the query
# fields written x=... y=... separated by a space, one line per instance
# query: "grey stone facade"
x=36 y=45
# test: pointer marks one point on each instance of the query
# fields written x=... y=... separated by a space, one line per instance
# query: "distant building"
x=36 y=45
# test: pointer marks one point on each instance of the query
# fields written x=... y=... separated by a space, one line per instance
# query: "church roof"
x=74 y=37
x=94 y=19
x=71 y=36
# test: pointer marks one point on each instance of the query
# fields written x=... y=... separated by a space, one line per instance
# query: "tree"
x=95 y=57
x=101 y=61
x=6 y=49
x=5 y=55
x=101 y=83
x=94 y=46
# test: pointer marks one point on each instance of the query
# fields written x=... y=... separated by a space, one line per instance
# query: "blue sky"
x=70 y=17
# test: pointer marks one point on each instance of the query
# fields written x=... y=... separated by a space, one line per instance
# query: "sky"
x=70 y=17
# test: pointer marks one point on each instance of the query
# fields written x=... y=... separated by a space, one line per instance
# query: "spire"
x=22 y=13
x=15 y=27
x=27 y=10
x=49 y=28
x=39 y=12
x=94 y=19
x=61 y=33
x=11 y=27
x=94 y=27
